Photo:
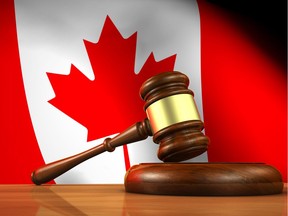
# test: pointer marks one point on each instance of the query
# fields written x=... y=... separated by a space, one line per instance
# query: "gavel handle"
x=138 y=131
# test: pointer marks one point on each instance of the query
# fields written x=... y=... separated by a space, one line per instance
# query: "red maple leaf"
x=111 y=102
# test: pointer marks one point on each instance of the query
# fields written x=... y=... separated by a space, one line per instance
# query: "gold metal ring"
x=170 y=110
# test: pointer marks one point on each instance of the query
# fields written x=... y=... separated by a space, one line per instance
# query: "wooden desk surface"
x=113 y=200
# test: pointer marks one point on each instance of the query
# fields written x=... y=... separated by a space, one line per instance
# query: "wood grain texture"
x=180 y=141
x=46 y=173
x=204 y=179
x=80 y=200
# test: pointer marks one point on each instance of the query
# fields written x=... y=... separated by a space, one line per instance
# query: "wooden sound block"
x=204 y=179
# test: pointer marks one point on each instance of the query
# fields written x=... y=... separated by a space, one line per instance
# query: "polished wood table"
x=113 y=200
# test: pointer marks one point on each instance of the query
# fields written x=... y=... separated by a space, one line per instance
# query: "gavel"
x=172 y=119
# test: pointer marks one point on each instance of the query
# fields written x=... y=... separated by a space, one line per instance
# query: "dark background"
x=264 y=21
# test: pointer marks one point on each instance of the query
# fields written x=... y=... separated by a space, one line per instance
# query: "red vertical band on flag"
x=244 y=93
x=20 y=153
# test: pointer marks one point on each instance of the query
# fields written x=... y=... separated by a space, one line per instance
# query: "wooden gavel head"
x=173 y=117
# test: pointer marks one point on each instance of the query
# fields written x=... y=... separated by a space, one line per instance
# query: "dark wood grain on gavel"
x=178 y=140
x=136 y=132
x=204 y=179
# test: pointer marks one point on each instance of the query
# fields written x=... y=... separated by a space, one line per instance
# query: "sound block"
x=203 y=179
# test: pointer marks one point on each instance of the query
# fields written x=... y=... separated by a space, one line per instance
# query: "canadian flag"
x=71 y=72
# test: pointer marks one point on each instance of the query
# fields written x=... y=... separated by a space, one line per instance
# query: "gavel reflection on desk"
x=173 y=120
